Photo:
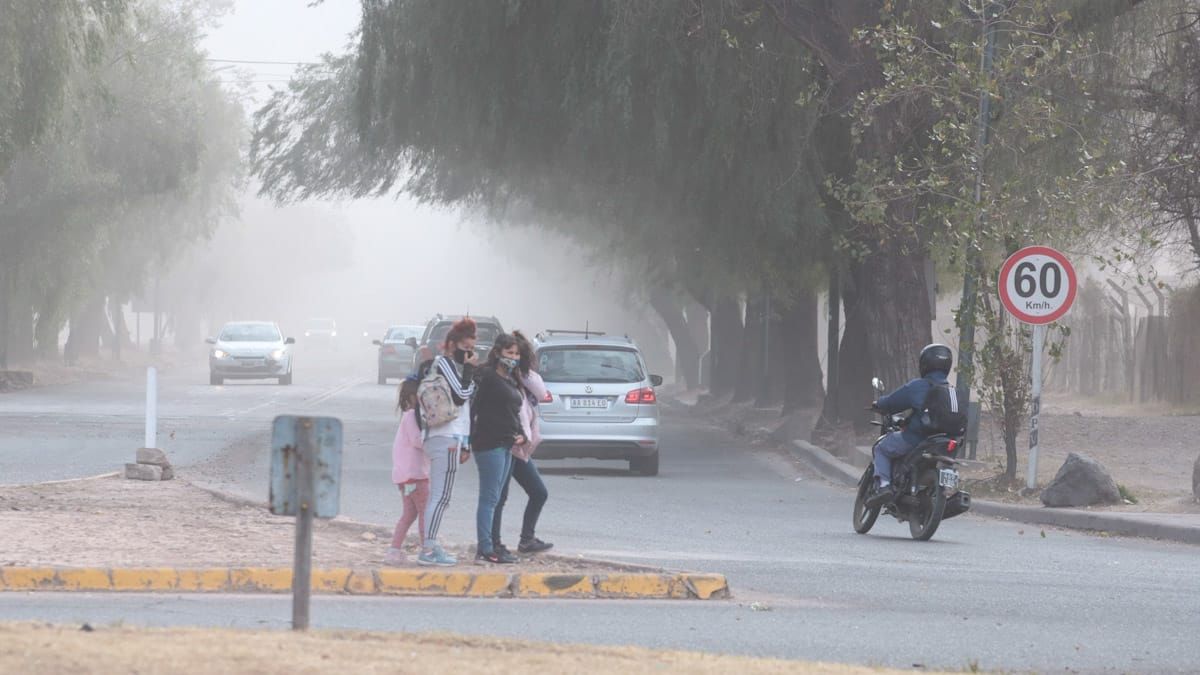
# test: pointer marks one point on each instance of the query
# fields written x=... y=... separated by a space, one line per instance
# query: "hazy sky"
x=407 y=262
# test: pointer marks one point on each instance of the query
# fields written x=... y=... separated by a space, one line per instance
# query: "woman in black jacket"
x=495 y=429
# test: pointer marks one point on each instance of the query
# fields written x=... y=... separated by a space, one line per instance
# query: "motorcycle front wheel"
x=928 y=514
x=864 y=518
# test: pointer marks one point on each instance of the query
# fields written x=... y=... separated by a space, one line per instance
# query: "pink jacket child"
x=529 y=417
x=410 y=473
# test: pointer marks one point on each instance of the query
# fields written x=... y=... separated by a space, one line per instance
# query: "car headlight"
x=277 y=355
x=307 y=334
x=333 y=333
x=220 y=354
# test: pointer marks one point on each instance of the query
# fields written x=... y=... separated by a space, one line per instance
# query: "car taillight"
x=388 y=349
x=951 y=447
x=548 y=398
x=641 y=396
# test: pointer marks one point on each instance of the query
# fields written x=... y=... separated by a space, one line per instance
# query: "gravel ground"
x=114 y=522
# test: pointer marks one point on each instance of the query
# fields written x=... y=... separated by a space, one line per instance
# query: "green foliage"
x=140 y=161
x=665 y=134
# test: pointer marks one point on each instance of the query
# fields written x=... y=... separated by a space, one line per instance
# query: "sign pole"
x=151 y=436
x=306 y=450
x=1035 y=404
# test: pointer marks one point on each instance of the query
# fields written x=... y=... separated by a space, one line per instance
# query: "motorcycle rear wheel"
x=864 y=518
x=928 y=514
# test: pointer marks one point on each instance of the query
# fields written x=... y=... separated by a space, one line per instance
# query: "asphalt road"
x=989 y=593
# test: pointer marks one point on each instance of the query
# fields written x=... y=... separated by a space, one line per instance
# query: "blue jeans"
x=891 y=446
x=527 y=476
x=494 y=467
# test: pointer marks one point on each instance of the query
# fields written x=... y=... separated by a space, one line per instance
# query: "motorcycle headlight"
x=220 y=354
x=277 y=355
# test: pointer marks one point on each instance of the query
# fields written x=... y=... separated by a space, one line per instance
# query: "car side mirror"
x=877 y=384
x=290 y=341
x=656 y=380
x=411 y=342
x=211 y=341
x=377 y=343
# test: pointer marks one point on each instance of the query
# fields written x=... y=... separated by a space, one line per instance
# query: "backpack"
x=945 y=410
x=434 y=399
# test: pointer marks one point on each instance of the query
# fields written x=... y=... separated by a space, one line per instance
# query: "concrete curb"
x=826 y=464
x=382 y=581
x=1072 y=519
x=1094 y=521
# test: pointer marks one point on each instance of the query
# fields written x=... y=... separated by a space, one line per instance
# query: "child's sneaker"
x=395 y=557
x=436 y=557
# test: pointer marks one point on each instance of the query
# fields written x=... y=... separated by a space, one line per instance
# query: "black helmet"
x=936 y=357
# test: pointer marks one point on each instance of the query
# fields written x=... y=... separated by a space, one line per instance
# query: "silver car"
x=397 y=350
x=250 y=350
x=602 y=403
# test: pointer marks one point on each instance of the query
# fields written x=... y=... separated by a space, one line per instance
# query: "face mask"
x=511 y=364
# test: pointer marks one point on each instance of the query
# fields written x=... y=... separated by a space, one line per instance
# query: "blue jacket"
x=912 y=397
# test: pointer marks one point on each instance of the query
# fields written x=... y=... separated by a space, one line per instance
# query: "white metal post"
x=151 y=440
x=1035 y=407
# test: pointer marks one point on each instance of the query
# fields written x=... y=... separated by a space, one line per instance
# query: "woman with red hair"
x=448 y=443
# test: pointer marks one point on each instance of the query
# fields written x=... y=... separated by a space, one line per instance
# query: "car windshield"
x=321 y=324
x=484 y=333
x=590 y=364
x=250 y=332
x=402 y=333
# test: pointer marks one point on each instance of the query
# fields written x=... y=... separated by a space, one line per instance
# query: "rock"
x=152 y=456
x=168 y=472
x=369 y=536
x=1196 y=479
x=143 y=472
x=1081 y=481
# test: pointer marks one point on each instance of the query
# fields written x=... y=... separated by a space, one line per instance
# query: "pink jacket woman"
x=529 y=417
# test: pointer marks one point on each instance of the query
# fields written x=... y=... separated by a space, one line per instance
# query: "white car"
x=250 y=350
x=602 y=402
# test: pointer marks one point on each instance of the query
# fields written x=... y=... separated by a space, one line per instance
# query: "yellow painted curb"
x=554 y=586
x=387 y=581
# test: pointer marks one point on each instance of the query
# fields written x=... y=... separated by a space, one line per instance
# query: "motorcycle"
x=926 y=483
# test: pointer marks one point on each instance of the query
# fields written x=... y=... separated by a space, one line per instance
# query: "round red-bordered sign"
x=1037 y=285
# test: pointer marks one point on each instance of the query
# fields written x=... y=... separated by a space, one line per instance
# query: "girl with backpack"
x=445 y=395
x=496 y=429
x=524 y=471
x=410 y=472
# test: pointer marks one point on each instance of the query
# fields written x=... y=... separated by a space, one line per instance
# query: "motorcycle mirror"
x=877 y=383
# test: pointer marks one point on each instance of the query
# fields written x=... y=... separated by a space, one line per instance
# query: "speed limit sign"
x=1037 y=285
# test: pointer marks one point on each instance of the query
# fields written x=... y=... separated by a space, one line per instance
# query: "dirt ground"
x=113 y=522
x=132 y=365
x=1149 y=449
x=36 y=649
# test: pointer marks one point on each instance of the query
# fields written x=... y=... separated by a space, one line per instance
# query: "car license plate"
x=948 y=478
x=591 y=403
x=251 y=363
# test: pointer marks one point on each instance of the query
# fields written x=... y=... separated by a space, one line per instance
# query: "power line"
x=265 y=63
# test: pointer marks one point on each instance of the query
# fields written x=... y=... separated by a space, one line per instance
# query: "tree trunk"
x=751 y=373
x=797 y=354
x=727 y=329
x=20 y=347
x=777 y=350
x=84 y=338
x=686 y=354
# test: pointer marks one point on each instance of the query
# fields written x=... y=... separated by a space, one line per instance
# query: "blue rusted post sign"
x=306 y=472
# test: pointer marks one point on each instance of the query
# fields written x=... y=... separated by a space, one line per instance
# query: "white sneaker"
x=395 y=557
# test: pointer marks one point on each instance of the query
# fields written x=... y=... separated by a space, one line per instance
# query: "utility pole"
x=966 y=338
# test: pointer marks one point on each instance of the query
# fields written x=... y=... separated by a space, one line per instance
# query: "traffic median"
x=111 y=535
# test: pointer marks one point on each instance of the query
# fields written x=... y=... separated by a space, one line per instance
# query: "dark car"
x=397 y=349
x=487 y=328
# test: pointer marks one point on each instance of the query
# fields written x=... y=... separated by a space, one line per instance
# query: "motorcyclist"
x=934 y=363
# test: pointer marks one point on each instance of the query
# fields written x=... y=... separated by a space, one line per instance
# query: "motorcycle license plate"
x=948 y=478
